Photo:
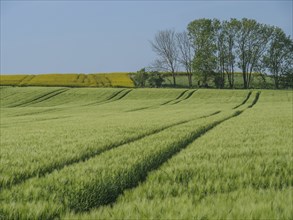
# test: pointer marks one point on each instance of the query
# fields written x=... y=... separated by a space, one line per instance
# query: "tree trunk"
x=244 y=80
x=230 y=77
x=249 y=77
x=276 y=79
x=189 y=79
x=233 y=75
x=229 y=80
x=223 y=81
x=222 y=75
x=174 y=79
x=205 y=79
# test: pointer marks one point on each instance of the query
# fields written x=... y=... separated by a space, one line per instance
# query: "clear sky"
x=108 y=36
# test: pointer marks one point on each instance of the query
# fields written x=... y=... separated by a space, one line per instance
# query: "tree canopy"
x=213 y=49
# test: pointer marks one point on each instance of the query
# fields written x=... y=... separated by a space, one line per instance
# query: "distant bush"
x=155 y=79
x=140 y=78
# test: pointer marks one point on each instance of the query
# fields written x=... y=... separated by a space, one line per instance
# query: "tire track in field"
x=47 y=98
x=31 y=100
x=157 y=106
x=36 y=113
x=8 y=95
x=111 y=188
x=125 y=94
x=115 y=95
x=144 y=167
x=23 y=79
x=138 y=172
x=257 y=95
x=214 y=113
x=138 y=109
x=108 y=99
x=108 y=80
x=41 y=98
x=88 y=155
x=159 y=159
x=187 y=97
x=112 y=98
x=33 y=121
x=26 y=80
x=180 y=95
x=244 y=101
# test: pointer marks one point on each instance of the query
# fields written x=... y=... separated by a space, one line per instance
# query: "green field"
x=123 y=153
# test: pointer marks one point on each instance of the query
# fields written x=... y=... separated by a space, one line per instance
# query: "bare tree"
x=186 y=54
x=164 y=45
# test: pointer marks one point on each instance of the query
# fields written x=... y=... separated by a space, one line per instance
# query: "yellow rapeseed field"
x=118 y=79
x=11 y=80
x=71 y=80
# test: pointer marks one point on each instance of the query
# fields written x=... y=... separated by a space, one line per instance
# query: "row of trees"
x=211 y=48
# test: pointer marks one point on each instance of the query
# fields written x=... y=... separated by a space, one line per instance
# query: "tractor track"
x=88 y=155
x=41 y=98
x=244 y=101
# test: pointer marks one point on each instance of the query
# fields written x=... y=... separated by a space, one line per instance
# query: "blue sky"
x=108 y=36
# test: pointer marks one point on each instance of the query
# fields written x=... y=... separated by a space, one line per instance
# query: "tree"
x=229 y=49
x=221 y=53
x=164 y=45
x=252 y=39
x=186 y=54
x=140 y=78
x=287 y=78
x=279 y=57
x=202 y=33
x=155 y=79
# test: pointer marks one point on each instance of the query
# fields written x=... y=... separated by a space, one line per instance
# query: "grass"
x=119 y=153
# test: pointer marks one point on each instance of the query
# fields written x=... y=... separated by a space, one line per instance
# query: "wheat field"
x=124 y=153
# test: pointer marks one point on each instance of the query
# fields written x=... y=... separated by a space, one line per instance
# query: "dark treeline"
x=213 y=50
